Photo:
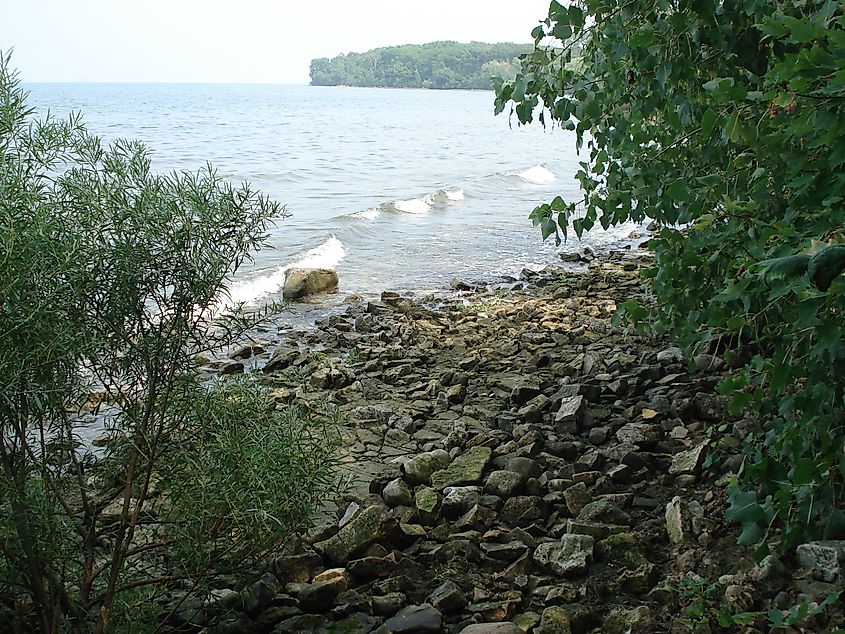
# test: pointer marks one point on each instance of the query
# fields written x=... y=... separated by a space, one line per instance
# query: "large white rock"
x=302 y=282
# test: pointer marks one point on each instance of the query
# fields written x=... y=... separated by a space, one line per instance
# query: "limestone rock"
x=570 y=557
x=555 y=620
x=414 y=619
x=503 y=483
x=569 y=416
x=825 y=559
x=418 y=469
x=302 y=282
x=366 y=527
x=678 y=521
x=465 y=469
x=397 y=493
x=688 y=462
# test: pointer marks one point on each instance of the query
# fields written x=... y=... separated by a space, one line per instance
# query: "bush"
x=724 y=122
x=113 y=281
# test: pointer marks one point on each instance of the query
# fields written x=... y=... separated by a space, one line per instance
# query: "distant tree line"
x=434 y=65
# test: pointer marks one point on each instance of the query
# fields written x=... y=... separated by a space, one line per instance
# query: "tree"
x=723 y=123
x=111 y=285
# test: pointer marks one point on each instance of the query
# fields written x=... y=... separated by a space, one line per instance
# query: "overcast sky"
x=262 y=41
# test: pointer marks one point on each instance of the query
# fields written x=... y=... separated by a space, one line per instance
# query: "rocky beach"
x=519 y=464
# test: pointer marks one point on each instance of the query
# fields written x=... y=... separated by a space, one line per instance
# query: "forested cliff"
x=433 y=65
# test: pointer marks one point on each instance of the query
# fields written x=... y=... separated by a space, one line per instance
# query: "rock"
x=418 y=469
x=389 y=603
x=257 y=597
x=669 y=356
x=604 y=511
x=503 y=483
x=622 y=621
x=577 y=497
x=824 y=559
x=678 y=521
x=492 y=628
x=523 y=391
x=397 y=493
x=426 y=500
x=570 y=414
x=302 y=282
x=247 y=351
x=526 y=467
x=366 y=527
x=555 y=620
x=296 y=568
x=448 y=598
x=688 y=462
x=640 y=434
x=570 y=557
x=414 y=619
x=458 y=500
x=465 y=469
x=317 y=597
x=283 y=357
x=532 y=411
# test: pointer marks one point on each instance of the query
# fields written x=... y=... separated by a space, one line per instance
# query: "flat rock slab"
x=414 y=619
x=363 y=529
x=570 y=557
x=465 y=469
x=825 y=559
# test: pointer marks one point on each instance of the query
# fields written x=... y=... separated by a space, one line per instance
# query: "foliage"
x=722 y=122
x=111 y=285
x=433 y=65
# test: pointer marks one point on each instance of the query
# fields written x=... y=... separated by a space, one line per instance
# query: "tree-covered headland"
x=433 y=65
x=724 y=123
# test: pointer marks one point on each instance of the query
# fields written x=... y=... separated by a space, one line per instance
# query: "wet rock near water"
x=520 y=464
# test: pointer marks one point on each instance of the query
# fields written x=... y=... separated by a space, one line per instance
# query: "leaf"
x=733 y=129
x=648 y=413
x=744 y=507
x=751 y=533
x=785 y=268
x=803 y=29
x=547 y=227
x=679 y=191
x=708 y=122
x=825 y=265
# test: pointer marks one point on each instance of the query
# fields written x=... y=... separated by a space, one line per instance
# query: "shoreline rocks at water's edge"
x=523 y=466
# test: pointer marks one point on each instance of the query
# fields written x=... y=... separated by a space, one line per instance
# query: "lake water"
x=395 y=189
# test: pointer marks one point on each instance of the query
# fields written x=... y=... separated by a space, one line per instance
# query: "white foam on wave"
x=537 y=175
x=327 y=256
x=449 y=195
x=414 y=205
x=370 y=214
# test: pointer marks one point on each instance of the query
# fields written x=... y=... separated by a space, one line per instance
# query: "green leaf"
x=751 y=533
x=744 y=507
x=708 y=122
x=825 y=265
x=785 y=268
x=679 y=191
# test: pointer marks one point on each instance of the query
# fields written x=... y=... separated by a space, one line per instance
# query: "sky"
x=249 y=41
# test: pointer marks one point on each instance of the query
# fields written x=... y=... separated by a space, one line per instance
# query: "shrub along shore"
x=520 y=464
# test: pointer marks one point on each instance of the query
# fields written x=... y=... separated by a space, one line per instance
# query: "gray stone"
x=418 y=469
x=824 y=559
x=448 y=598
x=622 y=621
x=526 y=467
x=640 y=434
x=397 y=493
x=302 y=282
x=569 y=416
x=678 y=521
x=465 y=469
x=366 y=527
x=503 y=483
x=555 y=620
x=492 y=628
x=426 y=500
x=458 y=500
x=414 y=619
x=688 y=462
x=317 y=597
x=577 y=497
x=604 y=511
x=570 y=557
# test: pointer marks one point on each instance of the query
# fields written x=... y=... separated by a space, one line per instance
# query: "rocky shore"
x=520 y=465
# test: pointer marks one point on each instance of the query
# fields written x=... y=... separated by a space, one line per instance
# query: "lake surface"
x=395 y=189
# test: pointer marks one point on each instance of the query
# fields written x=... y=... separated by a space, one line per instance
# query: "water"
x=395 y=189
